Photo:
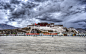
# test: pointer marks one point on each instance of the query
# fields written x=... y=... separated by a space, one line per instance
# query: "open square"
x=42 y=45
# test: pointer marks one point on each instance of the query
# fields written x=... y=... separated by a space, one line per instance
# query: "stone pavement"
x=42 y=45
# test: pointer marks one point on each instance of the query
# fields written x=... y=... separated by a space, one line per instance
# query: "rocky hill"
x=81 y=30
x=5 y=26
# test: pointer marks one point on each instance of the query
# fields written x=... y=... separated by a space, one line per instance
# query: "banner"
x=32 y=33
x=41 y=33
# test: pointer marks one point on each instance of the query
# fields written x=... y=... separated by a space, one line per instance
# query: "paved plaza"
x=42 y=45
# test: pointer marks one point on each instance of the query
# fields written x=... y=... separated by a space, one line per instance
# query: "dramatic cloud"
x=70 y=13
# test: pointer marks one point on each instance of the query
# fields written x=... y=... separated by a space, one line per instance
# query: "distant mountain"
x=85 y=29
x=81 y=30
x=5 y=26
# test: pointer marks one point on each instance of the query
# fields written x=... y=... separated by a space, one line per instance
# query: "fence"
x=44 y=34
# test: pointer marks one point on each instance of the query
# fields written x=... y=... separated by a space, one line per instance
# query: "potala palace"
x=51 y=28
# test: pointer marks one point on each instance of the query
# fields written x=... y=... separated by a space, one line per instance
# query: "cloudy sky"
x=20 y=13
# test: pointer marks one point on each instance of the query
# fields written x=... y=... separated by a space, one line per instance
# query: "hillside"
x=81 y=30
x=5 y=26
